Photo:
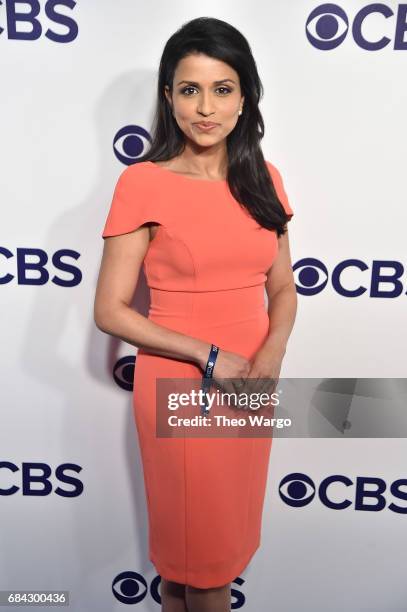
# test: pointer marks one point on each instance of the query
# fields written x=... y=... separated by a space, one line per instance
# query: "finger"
x=269 y=387
x=230 y=396
x=250 y=382
x=239 y=384
x=257 y=384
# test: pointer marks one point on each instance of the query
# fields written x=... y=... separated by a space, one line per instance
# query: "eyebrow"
x=215 y=82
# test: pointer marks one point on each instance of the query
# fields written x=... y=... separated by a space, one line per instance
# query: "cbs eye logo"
x=297 y=490
x=123 y=372
x=327 y=27
x=129 y=143
x=131 y=588
x=309 y=276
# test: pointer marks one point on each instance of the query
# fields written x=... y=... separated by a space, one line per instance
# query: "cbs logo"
x=35 y=272
x=298 y=490
x=28 y=24
x=382 y=279
x=327 y=27
x=28 y=479
x=131 y=588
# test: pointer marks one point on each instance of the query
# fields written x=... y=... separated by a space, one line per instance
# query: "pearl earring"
x=240 y=112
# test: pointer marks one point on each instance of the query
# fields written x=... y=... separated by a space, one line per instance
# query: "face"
x=205 y=89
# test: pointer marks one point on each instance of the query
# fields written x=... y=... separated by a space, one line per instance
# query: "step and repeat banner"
x=78 y=83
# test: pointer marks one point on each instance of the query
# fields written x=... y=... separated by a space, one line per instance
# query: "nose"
x=204 y=104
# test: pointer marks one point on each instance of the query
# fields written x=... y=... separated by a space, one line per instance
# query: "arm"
x=282 y=307
x=119 y=271
x=282 y=299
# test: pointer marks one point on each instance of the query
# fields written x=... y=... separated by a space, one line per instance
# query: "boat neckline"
x=187 y=178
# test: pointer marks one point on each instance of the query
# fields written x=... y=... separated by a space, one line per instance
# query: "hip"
x=235 y=319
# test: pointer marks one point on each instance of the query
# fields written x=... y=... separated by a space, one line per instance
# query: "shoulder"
x=133 y=202
x=137 y=180
x=279 y=187
x=275 y=175
x=136 y=175
x=273 y=170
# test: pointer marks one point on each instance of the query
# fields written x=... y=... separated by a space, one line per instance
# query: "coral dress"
x=206 y=270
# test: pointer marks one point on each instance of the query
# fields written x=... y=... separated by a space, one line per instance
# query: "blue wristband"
x=206 y=379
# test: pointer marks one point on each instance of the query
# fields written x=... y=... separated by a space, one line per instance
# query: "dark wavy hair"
x=248 y=177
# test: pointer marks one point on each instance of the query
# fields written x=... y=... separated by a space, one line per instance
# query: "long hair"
x=248 y=177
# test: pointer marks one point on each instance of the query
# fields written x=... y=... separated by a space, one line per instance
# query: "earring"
x=240 y=112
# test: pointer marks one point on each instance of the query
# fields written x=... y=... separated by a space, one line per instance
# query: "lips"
x=206 y=124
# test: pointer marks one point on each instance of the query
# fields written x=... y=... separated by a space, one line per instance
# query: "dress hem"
x=170 y=574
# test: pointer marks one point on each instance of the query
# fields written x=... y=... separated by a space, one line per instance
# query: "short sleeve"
x=279 y=187
x=131 y=205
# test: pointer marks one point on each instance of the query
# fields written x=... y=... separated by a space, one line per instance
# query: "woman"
x=207 y=216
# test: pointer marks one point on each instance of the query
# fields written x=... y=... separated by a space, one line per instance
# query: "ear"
x=168 y=95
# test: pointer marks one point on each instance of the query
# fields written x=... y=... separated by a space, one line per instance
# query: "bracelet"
x=213 y=353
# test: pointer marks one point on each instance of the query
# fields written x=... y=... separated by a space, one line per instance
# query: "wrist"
x=202 y=352
x=274 y=348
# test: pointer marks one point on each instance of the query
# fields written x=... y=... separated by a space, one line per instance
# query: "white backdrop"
x=71 y=79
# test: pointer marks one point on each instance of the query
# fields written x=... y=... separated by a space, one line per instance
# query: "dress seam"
x=249 y=494
x=191 y=319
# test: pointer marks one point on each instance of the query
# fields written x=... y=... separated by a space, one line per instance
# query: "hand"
x=264 y=372
x=228 y=365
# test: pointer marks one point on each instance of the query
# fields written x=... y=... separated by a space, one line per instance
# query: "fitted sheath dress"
x=206 y=270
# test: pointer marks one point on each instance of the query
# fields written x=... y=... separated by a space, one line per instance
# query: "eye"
x=226 y=88
x=183 y=91
x=189 y=87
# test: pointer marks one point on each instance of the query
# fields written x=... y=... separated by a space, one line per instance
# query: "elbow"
x=100 y=326
x=292 y=290
x=288 y=288
x=99 y=322
x=106 y=316
x=102 y=317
